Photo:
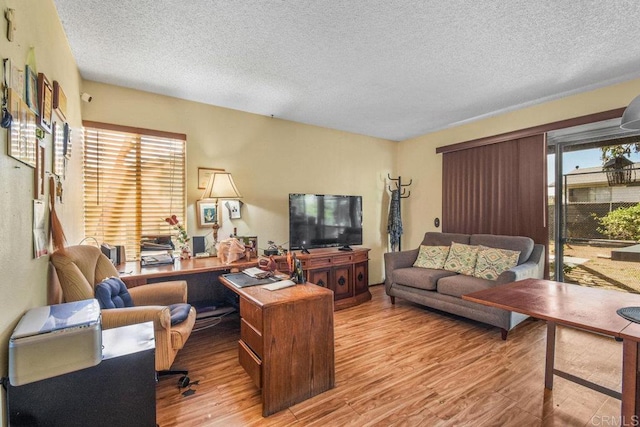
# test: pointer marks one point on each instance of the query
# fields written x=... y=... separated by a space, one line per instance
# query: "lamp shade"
x=221 y=186
x=631 y=115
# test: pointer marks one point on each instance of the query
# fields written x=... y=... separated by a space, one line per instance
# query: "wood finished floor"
x=404 y=365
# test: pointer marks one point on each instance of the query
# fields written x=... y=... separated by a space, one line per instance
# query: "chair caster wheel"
x=184 y=381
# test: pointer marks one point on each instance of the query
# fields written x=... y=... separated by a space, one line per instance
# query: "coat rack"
x=403 y=194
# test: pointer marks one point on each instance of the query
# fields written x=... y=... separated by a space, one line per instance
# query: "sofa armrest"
x=533 y=268
x=395 y=260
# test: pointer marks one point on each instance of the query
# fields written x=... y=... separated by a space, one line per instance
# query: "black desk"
x=119 y=391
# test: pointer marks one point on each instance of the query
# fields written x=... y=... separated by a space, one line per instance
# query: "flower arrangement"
x=182 y=236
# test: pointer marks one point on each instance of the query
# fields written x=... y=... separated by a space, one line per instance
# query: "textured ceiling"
x=386 y=68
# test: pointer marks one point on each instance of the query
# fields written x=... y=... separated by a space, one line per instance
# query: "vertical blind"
x=497 y=189
x=133 y=180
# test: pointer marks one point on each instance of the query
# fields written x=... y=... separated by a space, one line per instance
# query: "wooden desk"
x=589 y=309
x=132 y=274
x=344 y=273
x=286 y=342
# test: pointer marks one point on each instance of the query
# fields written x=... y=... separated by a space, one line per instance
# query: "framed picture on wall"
x=59 y=100
x=233 y=206
x=38 y=176
x=58 y=160
x=66 y=143
x=32 y=89
x=21 y=136
x=207 y=213
x=45 y=103
x=203 y=176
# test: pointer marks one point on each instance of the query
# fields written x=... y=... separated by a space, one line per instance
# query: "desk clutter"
x=156 y=250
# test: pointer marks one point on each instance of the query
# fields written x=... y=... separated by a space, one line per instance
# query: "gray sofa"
x=443 y=290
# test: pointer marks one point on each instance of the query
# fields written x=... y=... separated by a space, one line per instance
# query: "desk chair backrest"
x=79 y=269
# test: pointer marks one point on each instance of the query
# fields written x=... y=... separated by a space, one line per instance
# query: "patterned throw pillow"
x=431 y=256
x=493 y=261
x=462 y=258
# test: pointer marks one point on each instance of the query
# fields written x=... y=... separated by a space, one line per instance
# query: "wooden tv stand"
x=346 y=273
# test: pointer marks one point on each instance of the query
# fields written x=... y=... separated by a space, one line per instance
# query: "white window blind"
x=133 y=180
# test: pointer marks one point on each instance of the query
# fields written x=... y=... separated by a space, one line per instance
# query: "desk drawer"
x=251 y=313
x=251 y=337
x=250 y=363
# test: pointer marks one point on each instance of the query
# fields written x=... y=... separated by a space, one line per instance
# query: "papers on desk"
x=159 y=259
x=257 y=273
x=279 y=285
x=241 y=280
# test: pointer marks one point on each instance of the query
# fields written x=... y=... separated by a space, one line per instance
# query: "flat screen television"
x=321 y=220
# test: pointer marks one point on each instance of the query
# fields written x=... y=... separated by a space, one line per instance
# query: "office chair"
x=78 y=270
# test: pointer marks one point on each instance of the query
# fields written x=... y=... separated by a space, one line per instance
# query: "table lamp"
x=220 y=186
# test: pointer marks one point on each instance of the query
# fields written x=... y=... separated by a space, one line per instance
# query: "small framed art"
x=233 y=206
x=207 y=213
x=38 y=176
x=203 y=176
x=32 y=89
x=66 y=133
x=21 y=136
x=45 y=103
x=59 y=100
x=58 y=159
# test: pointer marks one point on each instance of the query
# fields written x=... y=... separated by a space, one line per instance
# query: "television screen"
x=319 y=220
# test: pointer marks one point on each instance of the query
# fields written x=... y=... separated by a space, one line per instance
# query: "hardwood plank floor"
x=404 y=365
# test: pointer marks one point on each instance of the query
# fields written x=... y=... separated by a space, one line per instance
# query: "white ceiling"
x=392 y=69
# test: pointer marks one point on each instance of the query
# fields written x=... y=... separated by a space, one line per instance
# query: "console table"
x=346 y=273
x=286 y=342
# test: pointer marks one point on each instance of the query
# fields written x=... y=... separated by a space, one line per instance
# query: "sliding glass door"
x=594 y=206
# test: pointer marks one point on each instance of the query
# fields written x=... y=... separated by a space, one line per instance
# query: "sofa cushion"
x=461 y=285
x=461 y=258
x=420 y=278
x=431 y=256
x=493 y=261
x=512 y=243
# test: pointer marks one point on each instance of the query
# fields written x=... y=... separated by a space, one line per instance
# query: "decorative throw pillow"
x=113 y=293
x=461 y=258
x=493 y=261
x=431 y=256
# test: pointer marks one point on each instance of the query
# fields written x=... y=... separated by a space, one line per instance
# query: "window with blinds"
x=133 y=180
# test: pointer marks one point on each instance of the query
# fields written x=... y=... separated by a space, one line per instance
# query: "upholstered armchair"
x=77 y=270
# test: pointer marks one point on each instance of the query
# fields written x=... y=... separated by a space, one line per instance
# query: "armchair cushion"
x=113 y=293
x=179 y=313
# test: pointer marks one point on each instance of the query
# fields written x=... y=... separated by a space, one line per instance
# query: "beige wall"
x=23 y=283
x=268 y=157
x=417 y=158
